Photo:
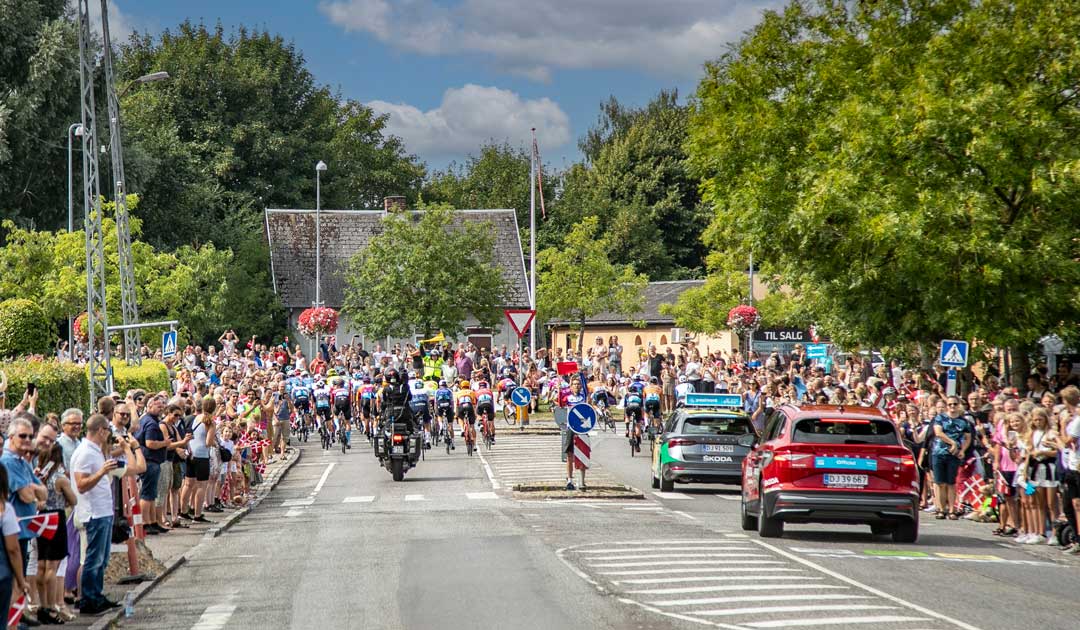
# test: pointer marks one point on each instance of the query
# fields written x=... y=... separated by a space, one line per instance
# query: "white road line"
x=619 y=565
x=298 y=502
x=645 y=509
x=831 y=621
x=487 y=469
x=681 y=513
x=658 y=556
x=737 y=535
x=367 y=499
x=293 y=513
x=674 y=495
x=415 y=497
x=754 y=598
x=769 y=610
x=322 y=480
x=481 y=496
x=699 y=569
x=719 y=545
x=734 y=587
x=216 y=616
x=728 y=497
x=699 y=541
x=711 y=578
x=869 y=589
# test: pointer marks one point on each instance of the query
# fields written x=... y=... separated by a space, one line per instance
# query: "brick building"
x=291 y=237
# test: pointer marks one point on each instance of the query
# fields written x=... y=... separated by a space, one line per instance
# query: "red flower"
x=318 y=320
x=743 y=319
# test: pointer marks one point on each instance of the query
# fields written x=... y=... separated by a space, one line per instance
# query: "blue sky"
x=453 y=74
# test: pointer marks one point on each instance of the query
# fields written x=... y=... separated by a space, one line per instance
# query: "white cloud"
x=120 y=25
x=529 y=37
x=471 y=115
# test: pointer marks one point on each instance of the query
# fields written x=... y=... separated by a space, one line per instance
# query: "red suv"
x=829 y=464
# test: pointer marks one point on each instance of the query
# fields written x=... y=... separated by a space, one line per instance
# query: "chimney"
x=394 y=203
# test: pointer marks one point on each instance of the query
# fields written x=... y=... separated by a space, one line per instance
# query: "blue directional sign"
x=168 y=345
x=953 y=353
x=714 y=400
x=521 y=396
x=817 y=350
x=581 y=419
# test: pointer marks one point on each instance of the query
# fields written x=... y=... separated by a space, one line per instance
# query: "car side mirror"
x=749 y=440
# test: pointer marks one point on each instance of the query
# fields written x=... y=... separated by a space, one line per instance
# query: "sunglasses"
x=123 y=415
x=24 y=436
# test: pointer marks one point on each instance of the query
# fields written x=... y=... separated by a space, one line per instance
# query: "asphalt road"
x=340 y=545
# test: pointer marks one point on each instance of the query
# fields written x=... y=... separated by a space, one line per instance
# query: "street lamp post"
x=73 y=129
x=146 y=78
x=319 y=168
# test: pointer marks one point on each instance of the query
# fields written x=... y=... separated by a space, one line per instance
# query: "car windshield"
x=844 y=431
x=716 y=425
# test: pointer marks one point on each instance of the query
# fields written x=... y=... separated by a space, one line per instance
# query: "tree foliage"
x=910 y=170
x=579 y=280
x=425 y=272
x=24 y=329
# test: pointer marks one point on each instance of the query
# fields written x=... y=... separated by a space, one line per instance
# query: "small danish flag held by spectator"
x=16 y=611
x=44 y=525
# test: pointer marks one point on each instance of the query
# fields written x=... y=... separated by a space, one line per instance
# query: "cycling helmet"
x=483 y=385
x=357 y=375
x=367 y=379
x=392 y=376
x=442 y=383
x=303 y=372
x=682 y=378
x=654 y=380
x=331 y=372
x=888 y=390
x=464 y=384
x=637 y=378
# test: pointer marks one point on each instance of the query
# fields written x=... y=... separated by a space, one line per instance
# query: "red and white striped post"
x=582 y=454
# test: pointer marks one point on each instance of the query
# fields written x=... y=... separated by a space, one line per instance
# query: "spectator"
x=1008 y=429
x=71 y=424
x=168 y=503
x=203 y=436
x=954 y=436
x=1040 y=443
x=153 y=442
x=11 y=562
x=24 y=488
x=51 y=552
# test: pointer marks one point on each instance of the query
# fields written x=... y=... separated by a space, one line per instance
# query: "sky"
x=453 y=75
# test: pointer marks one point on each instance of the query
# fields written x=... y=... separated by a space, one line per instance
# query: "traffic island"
x=534 y=491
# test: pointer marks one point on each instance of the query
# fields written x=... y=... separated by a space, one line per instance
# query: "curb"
x=267 y=487
x=553 y=491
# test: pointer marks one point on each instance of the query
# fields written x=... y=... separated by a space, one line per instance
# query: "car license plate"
x=846 y=481
x=397 y=450
x=719 y=448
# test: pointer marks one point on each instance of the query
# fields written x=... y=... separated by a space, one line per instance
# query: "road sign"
x=582 y=418
x=582 y=452
x=520 y=320
x=521 y=396
x=950 y=383
x=168 y=344
x=714 y=400
x=953 y=353
x=817 y=350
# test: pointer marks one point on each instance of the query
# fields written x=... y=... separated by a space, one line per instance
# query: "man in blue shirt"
x=154 y=445
x=24 y=488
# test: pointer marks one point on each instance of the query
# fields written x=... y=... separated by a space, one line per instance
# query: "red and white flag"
x=43 y=525
x=16 y=611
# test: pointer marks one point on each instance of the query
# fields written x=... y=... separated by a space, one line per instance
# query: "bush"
x=24 y=329
x=61 y=385
x=151 y=376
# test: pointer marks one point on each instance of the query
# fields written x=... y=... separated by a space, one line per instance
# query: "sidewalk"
x=171 y=550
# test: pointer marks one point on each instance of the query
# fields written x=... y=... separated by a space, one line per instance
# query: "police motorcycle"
x=398 y=443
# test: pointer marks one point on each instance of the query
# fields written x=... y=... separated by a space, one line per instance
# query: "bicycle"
x=509 y=412
x=341 y=436
x=635 y=433
x=487 y=429
x=325 y=434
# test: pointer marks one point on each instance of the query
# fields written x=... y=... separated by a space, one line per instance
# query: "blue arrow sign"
x=582 y=418
x=168 y=345
x=521 y=396
x=953 y=353
x=817 y=350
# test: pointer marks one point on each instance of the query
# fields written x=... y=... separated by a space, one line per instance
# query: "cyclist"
x=598 y=395
x=322 y=406
x=367 y=405
x=505 y=387
x=632 y=401
x=355 y=386
x=300 y=393
x=420 y=406
x=444 y=411
x=342 y=397
x=682 y=389
x=652 y=393
x=485 y=408
x=466 y=410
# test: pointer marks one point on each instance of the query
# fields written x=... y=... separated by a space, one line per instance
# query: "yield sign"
x=520 y=319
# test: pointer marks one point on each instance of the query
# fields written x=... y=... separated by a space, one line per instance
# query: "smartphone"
x=31 y=388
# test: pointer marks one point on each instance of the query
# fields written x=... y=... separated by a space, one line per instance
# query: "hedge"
x=24 y=329
x=65 y=385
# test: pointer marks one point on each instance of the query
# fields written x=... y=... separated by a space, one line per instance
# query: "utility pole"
x=750 y=301
x=100 y=366
x=532 y=244
x=128 y=304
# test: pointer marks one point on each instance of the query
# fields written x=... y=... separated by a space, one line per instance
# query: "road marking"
x=216 y=616
x=650 y=508
x=293 y=512
x=728 y=497
x=415 y=497
x=367 y=499
x=768 y=610
x=734 y=587
x=737 y=535
x=481 y=496
x=661 y=556
x=700 y=569
x=831 y=621
x=674 y=496
x=322 y=480
x=867 y=588
x=619 y=565
x=755 y=598
x=725 y=544
x=707 y=578
x=699 y=541
x=681 y=513
x=298 y=502
x=487 y=470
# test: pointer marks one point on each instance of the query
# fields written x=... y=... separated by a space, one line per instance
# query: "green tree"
x=908 y=169
x=39 y=98
x=24 y=329
x=423 y=274
x=579 y=280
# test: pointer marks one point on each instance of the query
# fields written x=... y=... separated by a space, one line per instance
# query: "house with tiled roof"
x=291 y=235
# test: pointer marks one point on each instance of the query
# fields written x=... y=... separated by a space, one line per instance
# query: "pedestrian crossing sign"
x=953 y=353
x=168 y=345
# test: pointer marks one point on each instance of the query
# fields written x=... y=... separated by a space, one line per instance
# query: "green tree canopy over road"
x=911 y=170
x=425 y=273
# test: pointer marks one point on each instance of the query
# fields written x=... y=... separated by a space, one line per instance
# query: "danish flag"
x=44 y=525
x=16 y=611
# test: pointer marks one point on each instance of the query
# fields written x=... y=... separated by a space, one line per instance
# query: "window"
x=845 y=431
x=717 y=425
x=637 y=340
x=663 y=340
x=773 y=425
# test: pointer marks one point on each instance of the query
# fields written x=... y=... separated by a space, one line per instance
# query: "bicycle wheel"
x=341 y=436
x=510 y=414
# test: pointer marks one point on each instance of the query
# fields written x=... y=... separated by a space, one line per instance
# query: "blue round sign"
x=521 y=396
x=581 y=419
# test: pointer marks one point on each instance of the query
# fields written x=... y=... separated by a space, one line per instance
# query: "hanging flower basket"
x=743 y=319
x=319 y=320
x=79 y=327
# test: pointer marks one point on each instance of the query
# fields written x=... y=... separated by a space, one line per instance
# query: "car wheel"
x=768 y=526
x=666 y=485
x=906 y=531
x=655 y=480
x=749 y=523
x=880 y=529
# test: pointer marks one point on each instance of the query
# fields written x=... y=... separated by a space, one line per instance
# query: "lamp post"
x=319 y=168
x=750 y=301
x=146 y=78
x=73 y=129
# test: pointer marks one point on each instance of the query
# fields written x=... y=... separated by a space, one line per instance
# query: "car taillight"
x=397 y=438
x=794 y=460
x=904 y=460
x=680 y=442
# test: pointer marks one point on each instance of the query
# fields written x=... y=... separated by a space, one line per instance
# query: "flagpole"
x=532 y=244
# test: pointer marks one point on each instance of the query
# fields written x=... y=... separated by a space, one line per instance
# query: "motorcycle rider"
x=394 y=401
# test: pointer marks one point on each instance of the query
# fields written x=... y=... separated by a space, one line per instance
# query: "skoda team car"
x=828 y=464
x=703 y=441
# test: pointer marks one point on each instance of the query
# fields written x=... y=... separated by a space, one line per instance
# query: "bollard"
x=134 y=517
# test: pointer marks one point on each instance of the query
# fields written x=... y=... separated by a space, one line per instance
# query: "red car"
x=829 y=464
